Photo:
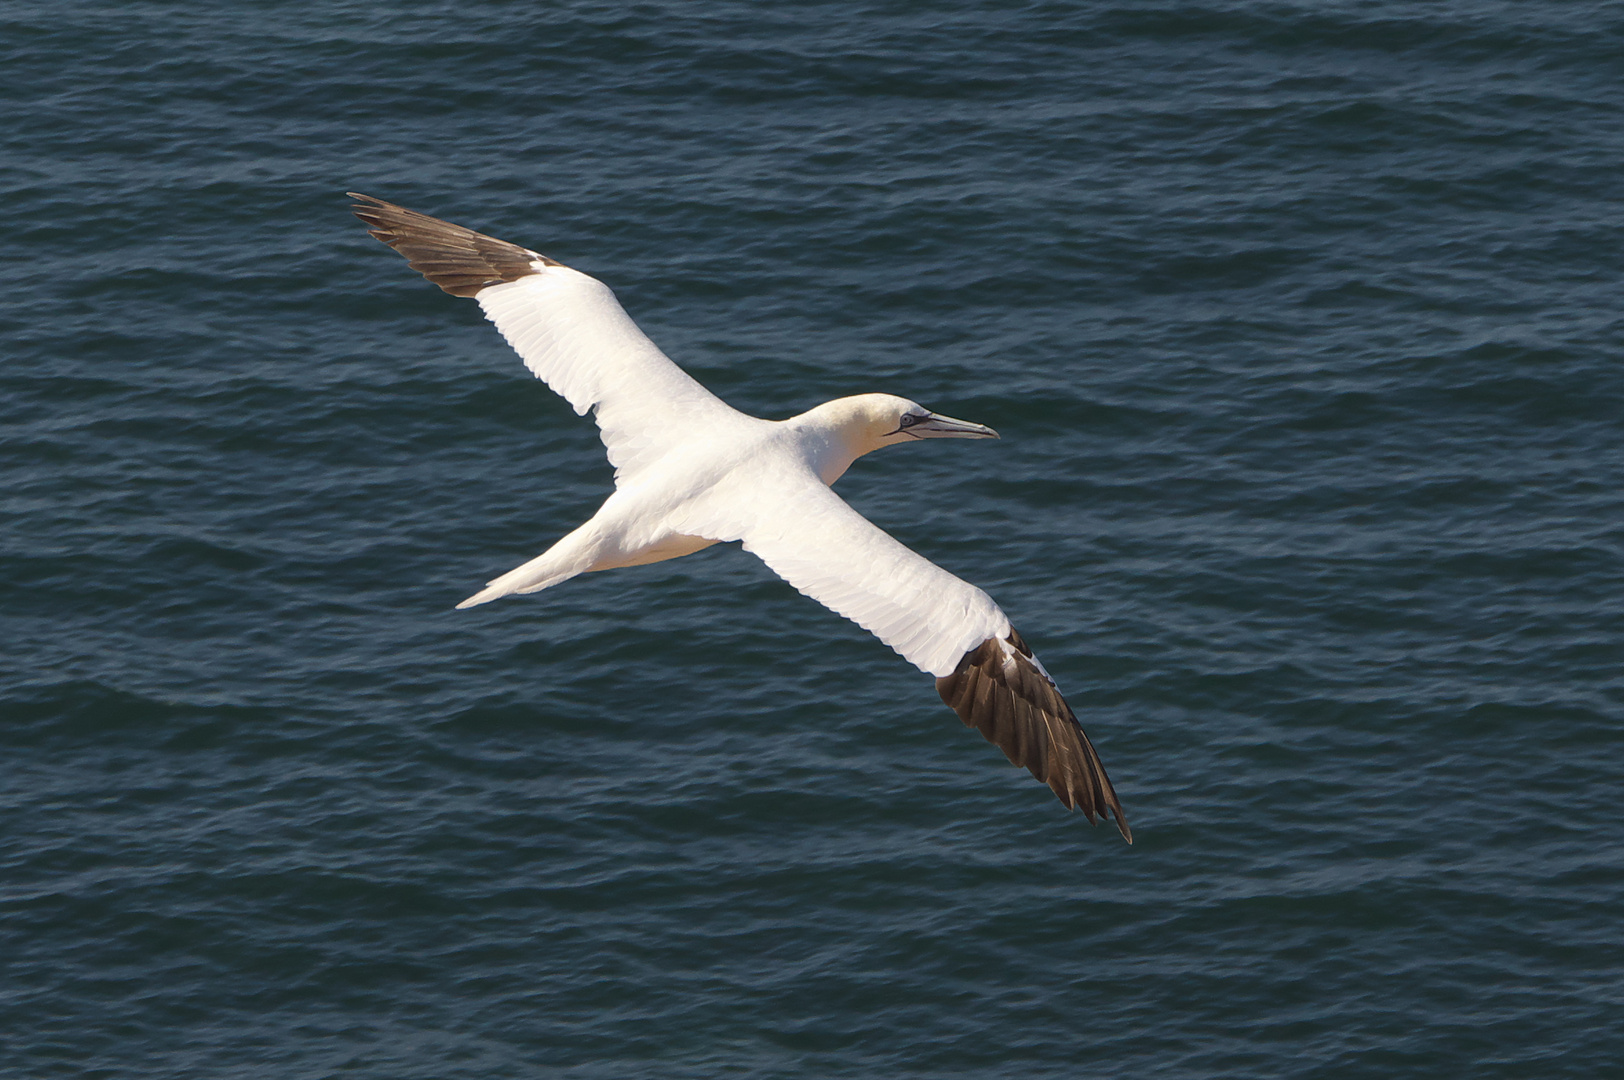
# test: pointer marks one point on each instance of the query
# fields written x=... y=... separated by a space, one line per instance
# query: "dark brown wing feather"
x=1022 y=713
x=459 y=260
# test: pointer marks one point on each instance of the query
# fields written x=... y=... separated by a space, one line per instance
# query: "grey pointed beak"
x=945 y=427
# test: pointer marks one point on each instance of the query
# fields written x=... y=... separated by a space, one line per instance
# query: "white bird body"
x=692 y=471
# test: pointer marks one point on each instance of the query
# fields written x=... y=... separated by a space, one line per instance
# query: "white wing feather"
x=574 y=335
x=813 y=539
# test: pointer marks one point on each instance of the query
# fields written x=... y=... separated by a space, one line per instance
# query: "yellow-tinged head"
x=876 y=420
x=853 y=426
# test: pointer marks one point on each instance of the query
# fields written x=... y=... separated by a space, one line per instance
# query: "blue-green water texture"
x=1302 y=326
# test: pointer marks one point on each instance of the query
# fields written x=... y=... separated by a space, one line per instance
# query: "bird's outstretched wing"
x=568 y=328
x=810 y=537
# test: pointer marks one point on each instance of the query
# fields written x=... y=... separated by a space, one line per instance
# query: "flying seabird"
x=692 y=471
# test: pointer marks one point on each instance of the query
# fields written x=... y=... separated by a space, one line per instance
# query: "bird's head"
x=876 y=420
x=845 y=429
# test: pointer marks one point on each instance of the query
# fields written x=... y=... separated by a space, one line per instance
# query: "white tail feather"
x=537 y=574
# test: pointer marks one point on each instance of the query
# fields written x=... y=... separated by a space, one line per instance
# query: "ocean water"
x=1301 y=323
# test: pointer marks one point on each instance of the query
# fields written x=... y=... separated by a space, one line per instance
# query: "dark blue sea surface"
x=1302 y=323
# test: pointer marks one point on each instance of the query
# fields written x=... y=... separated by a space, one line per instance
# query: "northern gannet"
x=691 y=471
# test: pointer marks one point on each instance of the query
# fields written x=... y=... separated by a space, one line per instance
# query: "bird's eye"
x=909 y=420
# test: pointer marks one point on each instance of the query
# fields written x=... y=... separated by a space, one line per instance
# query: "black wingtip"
x=1000 y=690
x=459 y=260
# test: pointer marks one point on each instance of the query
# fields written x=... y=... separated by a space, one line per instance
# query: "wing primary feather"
x=1000 y=689
x=458 y=260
